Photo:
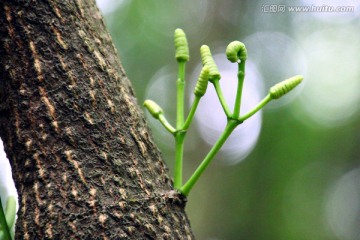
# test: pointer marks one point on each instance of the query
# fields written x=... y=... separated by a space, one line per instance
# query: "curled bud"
x=236 y=51
x=181 y=46
x=285 y=86
x=153 y=108
x=202 y=82
x=208 y=60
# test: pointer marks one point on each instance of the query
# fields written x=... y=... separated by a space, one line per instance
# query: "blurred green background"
x=293 y=171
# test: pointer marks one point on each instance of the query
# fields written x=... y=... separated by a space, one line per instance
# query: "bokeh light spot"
x=331 y=91
x=343 y=206
x=277 y=57
x=109 y=6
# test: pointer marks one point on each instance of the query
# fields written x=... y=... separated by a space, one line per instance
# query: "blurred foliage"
x=283 y=188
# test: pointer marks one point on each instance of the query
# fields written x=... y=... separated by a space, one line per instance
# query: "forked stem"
x=259 y=106
x=231 y=125
x=236 y=53
x=191 y=113
x=221 y=98
x=166 y=124
x=241 y=75
x=179 y=151
x=180 y=87
x=179 y=136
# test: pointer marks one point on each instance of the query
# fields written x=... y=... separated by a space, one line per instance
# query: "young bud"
x=208 y=60
x=236 y=51
x=181 y=46
x=202 y=82
x=154 y=109
x=285 y=86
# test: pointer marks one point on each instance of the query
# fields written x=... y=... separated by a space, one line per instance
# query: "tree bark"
x=83 y=160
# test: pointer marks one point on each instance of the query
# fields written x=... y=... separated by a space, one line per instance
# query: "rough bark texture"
x=83 y=161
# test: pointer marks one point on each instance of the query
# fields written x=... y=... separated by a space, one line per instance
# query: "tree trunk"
x=83 y=160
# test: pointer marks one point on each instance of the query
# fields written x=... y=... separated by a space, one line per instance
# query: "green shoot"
x=236 y=52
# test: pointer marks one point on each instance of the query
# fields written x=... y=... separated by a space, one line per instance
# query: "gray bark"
x=83 y=160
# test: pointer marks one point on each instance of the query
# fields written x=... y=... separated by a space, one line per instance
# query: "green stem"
x=4 y=224
x=221 y=98
x=166 y=124
x=179 y=135
x=231 y=125
x=179 y=150
x=260 y=105
x=191 y=113
x=180 y=86
x=241 y=75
